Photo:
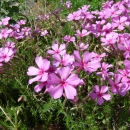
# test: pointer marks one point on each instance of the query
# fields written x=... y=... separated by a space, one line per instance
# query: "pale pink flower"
x=74 y=16
x=82 y=33
x=83 y=46
x=5 y=21
x=43 y=33
x=57 y=49
x=64 y=60
x=6 y=54
x=21 y=22
x=40 y=72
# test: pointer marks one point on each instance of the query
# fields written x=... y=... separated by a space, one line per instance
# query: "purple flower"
x=100 y=94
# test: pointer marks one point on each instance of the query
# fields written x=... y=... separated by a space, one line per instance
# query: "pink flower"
x=100 y=94
x=67 y=4
x=99 y=57
x=26 y=31
x=9 y=45
x=21 y=22
x=112 y=12
x=64 y=82
x=64 y=60
x=104 y=70
x=108 y=28
x=6 y=54
x=120 y=22
x=83 y=46
x=127 y=64
x=5 y=33
x=41 y=72
x=69 y=39
x=74 y=16
x=5 y=21
x=115 y=84
x=87 y=62
x=125 y=74
x=126 y=48
x=118 y=86
x=110 y=39
x=40 y=86
x=43 y=33
x=57 y=49
x=82 y=33
x=46 y=17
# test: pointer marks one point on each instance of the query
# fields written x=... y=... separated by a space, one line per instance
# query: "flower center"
x=63 y=83
x=41 y=72
x=100 y=94
x=57 y=51
x=4 y=56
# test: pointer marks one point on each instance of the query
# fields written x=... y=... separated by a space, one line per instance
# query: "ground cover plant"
x=66 y=66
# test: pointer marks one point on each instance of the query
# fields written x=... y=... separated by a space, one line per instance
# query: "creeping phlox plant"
x=98 y=37
x=62 y=72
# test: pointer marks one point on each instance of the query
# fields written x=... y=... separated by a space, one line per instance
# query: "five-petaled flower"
x=100 y=94
x=41 y=72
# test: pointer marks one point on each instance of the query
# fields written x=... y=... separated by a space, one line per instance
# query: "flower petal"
x=37 y=78
x=56 y=92
x=77 y=56
x=104 y=89
x=44 y=77
x=100 y=101
x=64 y=72
x=32 y=71
x=53 y=79
x=39 y=61
x=96 y=88
x=38 y=87
x=70 y=92
x=106 y=96
x=73 y=79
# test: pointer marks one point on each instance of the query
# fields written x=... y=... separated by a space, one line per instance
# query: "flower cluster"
x=7 y=52
x=62 y=75
x=97 y=36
